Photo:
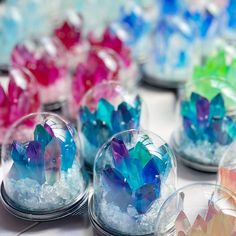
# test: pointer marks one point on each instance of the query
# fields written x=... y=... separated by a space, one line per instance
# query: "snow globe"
x=197 y=209
x=207 y=123
x=19 y=96
x=134 y=172
x=107 y=109
x=44 y=177
x=227 y=169
x=45 y=58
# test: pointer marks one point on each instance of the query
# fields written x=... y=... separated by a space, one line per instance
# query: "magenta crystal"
x=70 y=32
x=112 y=41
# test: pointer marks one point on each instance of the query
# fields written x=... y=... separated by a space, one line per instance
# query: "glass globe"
x=46 y=60
x=44 y=178
x=207 y=123
x=197 y=208
x=134 y=172
x=106 y=110
x=19 y=96
x=90 y=67
x=227 y=169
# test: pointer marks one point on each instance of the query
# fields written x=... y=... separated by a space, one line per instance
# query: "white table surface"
x=162 y=119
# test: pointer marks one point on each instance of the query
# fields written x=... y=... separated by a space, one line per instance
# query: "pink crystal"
x=20 y=97
x=211 y=212
x=200 y=224
x=42 y=65
x=100 y=65
x=112 y=41
x=182 y=223
x=69 y=33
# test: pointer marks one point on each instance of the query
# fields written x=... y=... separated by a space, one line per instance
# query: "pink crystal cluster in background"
x=44 y=61
x=18 y=97
x=70 y=31
x=112 y=41
x=228 y=178
x=99 y=64
x=214 y=223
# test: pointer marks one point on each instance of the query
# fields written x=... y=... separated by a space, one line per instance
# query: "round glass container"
x=197 y=209
x=134 y=172
x=207 y=123
x=106 y=110
x=46 y=60
x=19 y=96
x=44 y=178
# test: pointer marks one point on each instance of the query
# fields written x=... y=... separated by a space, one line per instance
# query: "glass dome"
x=207 y=123
x=197 y=209
x=92 y=66
x=134 y=172
x=46 y=60
x=227 y=169
x=44 y=177
x=19 y=96
x=105 y=110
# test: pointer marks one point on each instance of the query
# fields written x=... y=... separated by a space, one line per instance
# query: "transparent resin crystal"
x=19 y=96
x=197 y=209
x=207 y=123
x=134 y=172
x=227 y=169
x=106 y=110
x=45 y=58
x=43 y=170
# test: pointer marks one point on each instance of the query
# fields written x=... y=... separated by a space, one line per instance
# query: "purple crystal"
x=203 y=109
x=119 y=150
x=35 y=159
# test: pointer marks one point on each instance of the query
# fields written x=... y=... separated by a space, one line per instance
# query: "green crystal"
x=42 y=136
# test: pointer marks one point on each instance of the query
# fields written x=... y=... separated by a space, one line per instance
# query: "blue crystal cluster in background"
x=53 y=150
x=132 y=24
x=207 y=120
x=136 y=174
x=98 y=126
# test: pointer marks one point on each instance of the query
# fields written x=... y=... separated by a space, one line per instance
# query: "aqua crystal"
x=136 y=174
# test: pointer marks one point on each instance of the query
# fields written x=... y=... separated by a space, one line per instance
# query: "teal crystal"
x=53 y=150
x=136 y=173
x=98 y=126
x=207 y=120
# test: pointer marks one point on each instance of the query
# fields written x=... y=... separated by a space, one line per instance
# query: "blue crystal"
x=98 y=127
x=119 y=190
x=151 y=172
x=145 y=196
x=217 y=107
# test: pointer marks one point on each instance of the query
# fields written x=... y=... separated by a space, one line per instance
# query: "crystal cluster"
x=44 y=66
x=207 y=120
x=70 y=31
x=18 y=97
x=215 y=222
x=100 y=65
x=228 y=178
x=98 y=126
x=221 y=64
x=132 y=24
x=112 y=41
x=53 y=150
x=135 y=175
